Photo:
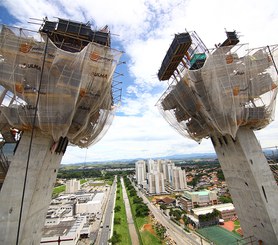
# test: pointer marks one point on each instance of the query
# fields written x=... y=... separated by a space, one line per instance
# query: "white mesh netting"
x=235 y=87
x=75 y=97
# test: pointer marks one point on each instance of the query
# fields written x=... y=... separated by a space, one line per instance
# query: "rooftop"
x=209 y=209
x=60 y=229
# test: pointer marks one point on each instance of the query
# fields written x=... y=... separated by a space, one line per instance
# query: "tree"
x=176 y=213
x=185 y=220
x=160 y=231
x=132 y=193
x=116 y=238
x=117 y=208
x=117 y=221
x=137 y=200
x=141 y=210
x=224 y=199
x=163 y=206
x=220 y=175
x=209 y=216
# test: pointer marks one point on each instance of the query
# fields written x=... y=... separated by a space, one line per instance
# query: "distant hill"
x=270 y=153
x=190 y=156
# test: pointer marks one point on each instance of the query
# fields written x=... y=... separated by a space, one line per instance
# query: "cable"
x=30 y=145
x=272 y=59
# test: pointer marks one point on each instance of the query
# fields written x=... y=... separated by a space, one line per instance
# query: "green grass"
x=82 y=181
x=145 y=237
x=57 y=190
x=109 y=182
x=236 y=226
x=122 y=228
x=149 y=238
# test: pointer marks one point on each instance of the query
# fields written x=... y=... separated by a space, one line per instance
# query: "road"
x=174 y=231
x=130 y=222
x=108 y=216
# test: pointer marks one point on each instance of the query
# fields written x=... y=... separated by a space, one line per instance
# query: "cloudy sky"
x=144 y=29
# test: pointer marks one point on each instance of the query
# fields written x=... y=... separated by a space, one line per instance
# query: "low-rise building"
x=194 y=199
x=74 y=216
x=91 y=206
x=211 y=215
x=226 y=211
x=65 y=232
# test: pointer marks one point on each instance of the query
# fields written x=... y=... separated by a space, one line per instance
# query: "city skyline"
x=144 y=31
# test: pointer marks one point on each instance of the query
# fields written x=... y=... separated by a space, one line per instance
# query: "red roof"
x=166 y=200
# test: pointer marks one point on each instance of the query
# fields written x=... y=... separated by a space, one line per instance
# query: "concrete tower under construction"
x=224 y=94
x=56 y=87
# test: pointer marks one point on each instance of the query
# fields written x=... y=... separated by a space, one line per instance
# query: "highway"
x=107 y=219
x=174 y=231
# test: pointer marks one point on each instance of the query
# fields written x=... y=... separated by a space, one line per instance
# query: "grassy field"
x=82 y=181
x=109 y=182
x=57 y=190
x=122 y=227
x=147 y=236
x=236 y=226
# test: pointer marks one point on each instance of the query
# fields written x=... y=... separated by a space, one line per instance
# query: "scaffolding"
x=70 y=67
x=219 y=90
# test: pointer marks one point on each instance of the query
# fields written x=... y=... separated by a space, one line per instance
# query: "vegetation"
x=176 y=214
x=185 y=220
x=225 y=199
x=117 y=208
x=78 y=173
x=236 y=226
x=120 y=234
x=160 y=230
x=116 y=238
x=220 y=175
x=163 y=206
x=82 y=181
x=209 y=216
x=57 y=190
x=195 y=180
x=140 y=213
x=141 y=209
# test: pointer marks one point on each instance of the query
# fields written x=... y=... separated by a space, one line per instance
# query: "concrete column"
x=42 y=172
x=251 y=183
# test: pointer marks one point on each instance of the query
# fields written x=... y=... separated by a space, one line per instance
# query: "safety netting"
x=74 y=88
x=234 y=87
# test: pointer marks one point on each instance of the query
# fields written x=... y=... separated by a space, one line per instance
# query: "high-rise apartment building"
x=170 y=166
x=150 y=166
x=140 y=170
x=72 y=186
x=179 y=179
x=156 y=183
x=157 y=173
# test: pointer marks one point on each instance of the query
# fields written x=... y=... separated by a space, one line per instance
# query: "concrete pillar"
x=42 y=172
x=251 y=183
